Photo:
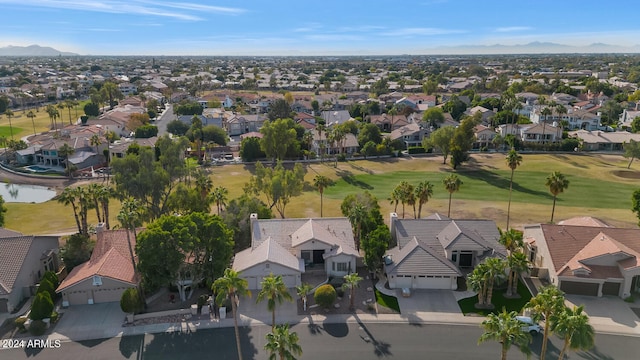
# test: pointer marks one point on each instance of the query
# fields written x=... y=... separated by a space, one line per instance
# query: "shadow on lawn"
x=498 y=181
x=350 y=179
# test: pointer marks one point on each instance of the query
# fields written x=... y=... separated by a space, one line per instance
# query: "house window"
x=97 y=280
x=454 y=257
x=342 y=267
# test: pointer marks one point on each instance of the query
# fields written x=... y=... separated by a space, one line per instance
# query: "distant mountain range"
x=32 y=50
x=535 y=47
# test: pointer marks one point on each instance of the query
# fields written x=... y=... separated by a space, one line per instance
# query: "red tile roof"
x=110 y=258
x=571 y=246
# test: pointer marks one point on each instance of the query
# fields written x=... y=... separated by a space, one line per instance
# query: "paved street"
x=322 y=341
x=164 y=119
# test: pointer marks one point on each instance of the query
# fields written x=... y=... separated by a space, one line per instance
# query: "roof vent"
x=388 y=260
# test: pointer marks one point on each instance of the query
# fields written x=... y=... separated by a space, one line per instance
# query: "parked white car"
x=529 y=325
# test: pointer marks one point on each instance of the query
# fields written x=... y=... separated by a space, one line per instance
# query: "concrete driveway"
x=90 y=321
x=434 y=301
x=258 y=311
x=608 y=314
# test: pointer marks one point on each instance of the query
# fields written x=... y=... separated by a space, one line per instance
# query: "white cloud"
x=180 y=11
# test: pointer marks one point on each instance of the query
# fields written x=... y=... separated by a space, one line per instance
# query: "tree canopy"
x=441 y=140
x=279 y=136
x=277 y=184
x=167 y=242
x=237 y=217
x=150 y=178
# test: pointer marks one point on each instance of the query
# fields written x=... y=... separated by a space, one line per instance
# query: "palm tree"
x=69 y=105
x=204 y=184
x=549 y=301
x=303 y=290
x=31 y=116
x=95 y=140
x=395 y=198
x=69 y=197
x=53 y=115
x=356 y=216
x=557 y=183
x=65 y=151
x=476 y=282
x=507 y=330
x=561 y=110
x=517 y=263
x=494 y=274
x=282 y=344
x=231 y=286
x=546 y=112
x=572 y=326
x=321 y=143
x=451 y=184
x=104 y=194
x=424 y=191
x=513 y=161
x=9 y=114
x=404 y=191
x=61 y=108
x=275 y=291
x=219 y=195
x=321 y=182
x=351 y=282
x=93 y=191
x=511 y=240
x=130 y=217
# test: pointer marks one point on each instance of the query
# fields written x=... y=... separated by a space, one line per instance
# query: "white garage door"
x=77 y=297
x=432 y=282
x=289 y=280
x=104 y=295
x=403 y=281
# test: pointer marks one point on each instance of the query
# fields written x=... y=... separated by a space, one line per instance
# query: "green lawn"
x=489 y=184
x=600 y=186
x=387 y=301
x=468 y=305
x=5 y=131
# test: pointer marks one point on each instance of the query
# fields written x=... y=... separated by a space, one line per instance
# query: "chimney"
x=392 y=225
x=100 y=227
x=252 y=218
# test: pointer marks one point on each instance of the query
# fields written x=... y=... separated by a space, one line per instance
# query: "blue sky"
x=325 y=27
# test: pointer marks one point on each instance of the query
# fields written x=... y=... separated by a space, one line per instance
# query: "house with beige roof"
x=290 y=247
x=107 y=274
x=432 y=253
x=586 y=259
x=23 y=261
x=604 y=141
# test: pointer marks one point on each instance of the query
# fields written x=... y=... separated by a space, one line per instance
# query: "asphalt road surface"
x=324 y=341
x=164 y=119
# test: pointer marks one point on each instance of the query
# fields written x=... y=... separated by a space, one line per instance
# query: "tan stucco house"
x=289 y=247
x=23 y=261
x=586 y=259
x=107 y=274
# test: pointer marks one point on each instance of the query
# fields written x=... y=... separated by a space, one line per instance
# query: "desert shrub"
x=42 y=306
x=131 y=302
x=325 y=295
x=37 y=327
x=19 y=322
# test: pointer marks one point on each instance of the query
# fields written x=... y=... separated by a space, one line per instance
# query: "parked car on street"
x=529 y=325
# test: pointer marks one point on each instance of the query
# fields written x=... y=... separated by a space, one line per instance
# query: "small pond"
x=16 y=193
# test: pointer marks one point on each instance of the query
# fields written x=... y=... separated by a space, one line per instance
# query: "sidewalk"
x=608 y=316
